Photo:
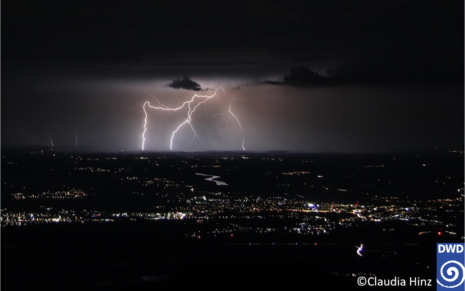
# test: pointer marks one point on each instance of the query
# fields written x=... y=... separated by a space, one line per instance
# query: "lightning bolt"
x=158 y=101
x=51 y=141
x=240 y=126
x=191 y=106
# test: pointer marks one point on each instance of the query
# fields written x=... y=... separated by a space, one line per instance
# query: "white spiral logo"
x=452 y=271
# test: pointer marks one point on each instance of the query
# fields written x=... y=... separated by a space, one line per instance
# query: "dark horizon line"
x=84 y=149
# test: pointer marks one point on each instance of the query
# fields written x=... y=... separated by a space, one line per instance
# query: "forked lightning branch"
x=192 y=106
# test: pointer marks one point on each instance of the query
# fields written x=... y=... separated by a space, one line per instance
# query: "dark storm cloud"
x=400 y=68
x=185 y=83
x=280 y=35
x=395 y=67
x=301 y=76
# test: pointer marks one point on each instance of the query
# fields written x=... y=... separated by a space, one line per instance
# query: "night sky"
x=317 y=76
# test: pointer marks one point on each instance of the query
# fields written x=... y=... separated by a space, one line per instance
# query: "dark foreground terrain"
x=146 y=221
x=144 y=258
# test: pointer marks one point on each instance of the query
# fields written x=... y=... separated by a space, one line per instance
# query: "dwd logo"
x=450 y=270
